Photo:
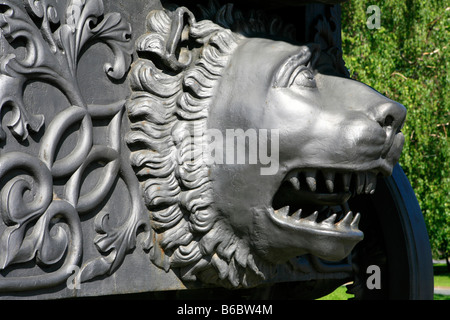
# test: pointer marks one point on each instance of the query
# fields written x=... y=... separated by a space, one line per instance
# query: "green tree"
x=407 y=59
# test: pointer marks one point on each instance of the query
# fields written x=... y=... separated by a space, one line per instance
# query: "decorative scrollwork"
x=41 y=226
x=16 y=211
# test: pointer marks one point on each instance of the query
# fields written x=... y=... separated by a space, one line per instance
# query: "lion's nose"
x=391 y=117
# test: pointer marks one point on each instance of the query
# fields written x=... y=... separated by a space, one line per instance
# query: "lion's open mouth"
x=317 y=199
x=310 y=215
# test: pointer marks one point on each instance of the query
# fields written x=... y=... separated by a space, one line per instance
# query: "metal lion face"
x=224 y=222
x=336 y=136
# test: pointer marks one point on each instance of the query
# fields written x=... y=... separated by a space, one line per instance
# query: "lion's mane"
x=173 y=84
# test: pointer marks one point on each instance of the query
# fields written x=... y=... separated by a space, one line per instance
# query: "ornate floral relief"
x=41 y=226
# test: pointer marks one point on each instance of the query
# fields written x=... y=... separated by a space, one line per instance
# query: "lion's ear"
x=167 y=33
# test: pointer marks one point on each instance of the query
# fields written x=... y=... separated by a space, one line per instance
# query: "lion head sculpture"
x=228 y=224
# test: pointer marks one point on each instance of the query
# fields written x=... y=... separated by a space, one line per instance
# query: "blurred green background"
x=407 y=60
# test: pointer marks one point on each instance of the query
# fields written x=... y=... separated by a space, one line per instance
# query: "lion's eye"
x=305 y=78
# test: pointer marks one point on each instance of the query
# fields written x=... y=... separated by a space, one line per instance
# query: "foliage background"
x=407 y=59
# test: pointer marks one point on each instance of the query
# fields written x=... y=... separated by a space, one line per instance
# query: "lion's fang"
x=283 y=211
x=355 y=222
x=371 y=182
x=297 y=214
x=311 y=180
x=346 y=178
x=346 y=220
x=360 y=181
x=329 y=180
x=312 y=217
x=331 y=220
x=295 y=183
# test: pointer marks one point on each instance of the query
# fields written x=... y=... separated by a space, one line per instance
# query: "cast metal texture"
x=43 y=225
x=102 y=124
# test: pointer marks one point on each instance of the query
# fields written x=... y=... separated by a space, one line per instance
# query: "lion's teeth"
x=312 y=217
x=295 y=183
x=355 y=222
x=371 y=182
x=283 y=211
x=346 y=178
x=331 y=219
x=329 y=180
x=311 y=180
x=360 y=181
x=297 y=214
x=346 y=220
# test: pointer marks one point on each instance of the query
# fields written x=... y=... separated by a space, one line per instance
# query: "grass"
x=441 y=279
x=338 y=294
x=441 y=275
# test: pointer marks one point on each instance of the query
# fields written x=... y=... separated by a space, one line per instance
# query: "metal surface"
x=108 y=184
